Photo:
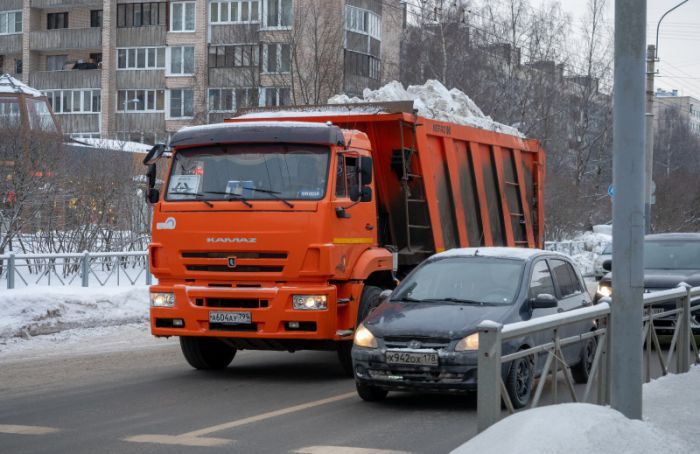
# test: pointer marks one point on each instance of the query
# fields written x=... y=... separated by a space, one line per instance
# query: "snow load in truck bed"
x=431 y=100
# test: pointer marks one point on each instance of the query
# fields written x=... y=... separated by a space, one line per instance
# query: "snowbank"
x=432 y=100
x=45 y=310
x=593 y=243
x=113 y=145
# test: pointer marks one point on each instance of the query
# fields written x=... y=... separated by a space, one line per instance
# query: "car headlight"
x=604 y=291
x=364 y=337
x=309 y=302
x=468 y=343
x=162 y=299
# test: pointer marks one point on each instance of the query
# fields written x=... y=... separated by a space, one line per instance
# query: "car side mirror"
x=544 y=301
x=366 y=169
x=154 y=154
x=607 y=265
x=152 y=195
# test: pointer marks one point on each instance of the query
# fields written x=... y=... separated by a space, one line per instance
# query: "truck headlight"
x=162 y=299
x=364 y=337
x=604 y=291
x=309 y=302
x=468 y=343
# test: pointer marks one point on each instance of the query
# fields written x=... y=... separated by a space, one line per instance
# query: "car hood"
x=663 y=279
x=446 y=320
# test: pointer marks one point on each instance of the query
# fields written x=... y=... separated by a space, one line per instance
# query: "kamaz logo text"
x=232 y=240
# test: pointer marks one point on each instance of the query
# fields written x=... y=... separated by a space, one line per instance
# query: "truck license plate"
x=230 y=318
x=412 y=358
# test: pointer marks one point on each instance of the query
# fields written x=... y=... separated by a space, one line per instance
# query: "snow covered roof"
x=9 y=84
x=504 y=252
x=116 y=145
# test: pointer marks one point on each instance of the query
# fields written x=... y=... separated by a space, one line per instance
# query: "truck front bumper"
x=271 y=312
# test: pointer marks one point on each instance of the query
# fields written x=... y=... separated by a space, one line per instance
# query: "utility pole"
x=625 y=358
x=649 y=193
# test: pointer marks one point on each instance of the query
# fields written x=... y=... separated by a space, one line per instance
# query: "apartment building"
x=140 y=70
x=687 y=106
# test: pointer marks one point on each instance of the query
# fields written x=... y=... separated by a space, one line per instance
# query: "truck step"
x=416 y=200
x=422 y=227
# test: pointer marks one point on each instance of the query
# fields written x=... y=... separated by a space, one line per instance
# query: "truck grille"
x=243 y=303
x=244 y=261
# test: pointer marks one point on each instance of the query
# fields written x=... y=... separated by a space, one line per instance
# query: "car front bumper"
x=455 y=372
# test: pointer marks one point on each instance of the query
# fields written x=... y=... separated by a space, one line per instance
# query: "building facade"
x=140 y=70
x=687 y=106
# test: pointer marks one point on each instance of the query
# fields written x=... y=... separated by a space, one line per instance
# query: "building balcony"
x=66 y=39
x=11 y=44
x=47 y=80
x=153 y=35
x=65 y=3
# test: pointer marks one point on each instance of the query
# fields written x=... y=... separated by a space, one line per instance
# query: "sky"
x=679 y=41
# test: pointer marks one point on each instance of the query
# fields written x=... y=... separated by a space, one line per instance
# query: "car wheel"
x=582 y=370
x=519 y=381
x=370 y=393
x=206 y=353
x=368 y=302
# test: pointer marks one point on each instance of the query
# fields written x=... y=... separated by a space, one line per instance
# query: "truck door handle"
x=369 y=227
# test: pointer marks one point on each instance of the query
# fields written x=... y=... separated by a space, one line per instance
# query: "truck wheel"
x=519 y=381
x=370 y=393
x=206 y=353
x=345 y=357
x=582 y=370
x=368 y=302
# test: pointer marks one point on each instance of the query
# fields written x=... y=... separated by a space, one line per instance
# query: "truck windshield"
x=466 y=279
x=249 y=172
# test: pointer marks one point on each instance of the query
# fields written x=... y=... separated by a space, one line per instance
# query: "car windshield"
x=249 y=172
x=608 y=249
x=478 y=280
x=672 y=255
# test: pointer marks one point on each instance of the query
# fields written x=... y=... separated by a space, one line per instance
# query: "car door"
x=572 y=295
x=541 y=282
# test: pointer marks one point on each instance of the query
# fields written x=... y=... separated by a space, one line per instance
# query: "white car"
x=598 y=270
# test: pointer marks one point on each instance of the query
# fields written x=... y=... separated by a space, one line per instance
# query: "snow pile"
x=114 y=145
x=9 y=84
x=432 y=100
x=593 y=244
x=45 y=310
x=573 y=429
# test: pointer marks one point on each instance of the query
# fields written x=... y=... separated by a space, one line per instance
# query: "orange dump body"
x=435 y=186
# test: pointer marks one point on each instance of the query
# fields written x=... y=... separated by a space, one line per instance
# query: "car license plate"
x=230 y=318
x=412 y=358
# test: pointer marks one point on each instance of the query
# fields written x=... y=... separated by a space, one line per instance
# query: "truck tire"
x=370 y=393
x=206 y=353
x=368 y=302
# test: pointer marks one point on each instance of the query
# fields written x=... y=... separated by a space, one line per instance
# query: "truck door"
x=355 y=223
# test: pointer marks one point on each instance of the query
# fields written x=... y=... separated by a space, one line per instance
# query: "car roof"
x=501 y=252
x=678 y=236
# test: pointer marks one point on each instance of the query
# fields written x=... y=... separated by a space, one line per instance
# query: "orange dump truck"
x=280 y=234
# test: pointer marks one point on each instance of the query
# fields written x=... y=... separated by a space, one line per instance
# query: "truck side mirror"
x=354 y=193
x=366 y=170
x=607 y=265
x=151 y=176
x=366 y=194
x=152 y=195
x=155 y=154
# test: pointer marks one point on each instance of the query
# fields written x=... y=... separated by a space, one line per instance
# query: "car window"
x=541 y=281
x=566 y=278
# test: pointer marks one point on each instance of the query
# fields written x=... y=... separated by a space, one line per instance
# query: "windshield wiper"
x=273 y=194
x=457 y=300
x=235 y=197
x=196 y=195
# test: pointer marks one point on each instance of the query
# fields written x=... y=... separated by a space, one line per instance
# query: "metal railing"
x=84 y=269
x=491 y=390
x=567 y=247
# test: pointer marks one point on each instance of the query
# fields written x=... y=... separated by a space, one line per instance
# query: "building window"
x=141 y=58
x=273 y=96
x=56 y=20
x=55 y=62
x=182 y=16
x=96 y=58
x=141 y=14
x=246 y=97
x=221 y=100
x=234 y=11
x=244 y=55
x=278 y=13
x=362 y=65
x=363 y=21
x=10 y=22
x=181 y=103
x=74 y=101
x=140 y=101
x=277 y=58
x=18 y=66
x=96 y=18
x=180 y=61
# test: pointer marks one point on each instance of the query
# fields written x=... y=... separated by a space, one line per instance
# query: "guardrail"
x=678 y=320
x=87 y=268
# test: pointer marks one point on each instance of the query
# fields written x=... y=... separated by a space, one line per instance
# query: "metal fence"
x=675 y=317
x=75 y=269
x=566 y=247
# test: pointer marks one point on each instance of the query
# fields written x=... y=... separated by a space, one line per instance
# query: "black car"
x=422 y=337
x=669 y=259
